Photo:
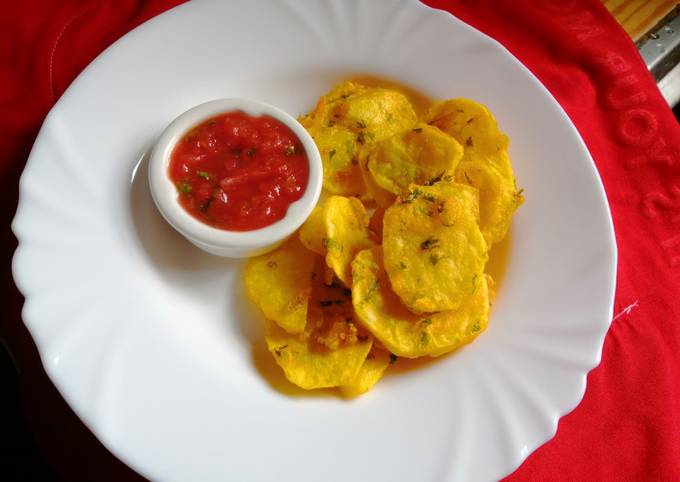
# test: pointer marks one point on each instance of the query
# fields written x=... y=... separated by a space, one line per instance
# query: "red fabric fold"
x=628 y=425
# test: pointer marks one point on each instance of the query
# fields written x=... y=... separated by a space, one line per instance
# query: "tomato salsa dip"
x=239 y=172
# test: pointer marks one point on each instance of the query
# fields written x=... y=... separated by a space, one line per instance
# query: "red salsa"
x=239 y=172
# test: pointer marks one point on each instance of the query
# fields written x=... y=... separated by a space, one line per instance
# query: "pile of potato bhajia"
x=392 y=261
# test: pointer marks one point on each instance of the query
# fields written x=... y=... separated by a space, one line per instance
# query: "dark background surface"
x=41 y=439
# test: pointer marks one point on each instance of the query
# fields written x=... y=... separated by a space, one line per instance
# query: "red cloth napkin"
x=628 y=425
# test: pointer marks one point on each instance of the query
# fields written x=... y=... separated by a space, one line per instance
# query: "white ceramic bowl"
x=232 y=244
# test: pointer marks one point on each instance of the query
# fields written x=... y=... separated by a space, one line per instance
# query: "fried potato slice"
x=407 y=334
x=382 y=198
x=313 y=231
x=322 y=113
x=309 y=365
x=434 y=250
x=374 y=114
x=369 y=374
x=332 y=348
x=337 y=144
x=498 y=196
x=307 y=120
x=279 y=284
x=346 y=120
x=414 y=156
x=471 y=124
x=338 y=229
x=346 y=234
x=375 y=111
x=330 y=318
x=485 y=164
x=339 y=155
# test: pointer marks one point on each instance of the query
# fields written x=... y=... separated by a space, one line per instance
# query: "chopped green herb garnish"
x=401 y=265
x=440 y=177
x=191 y=136
x=434 y=180
x=411 y=196
x=476 y=327
x=330 y=243
x=429 y=243
x=429 y=198
x=203 y=174
x=205 y=205
x=424 y=212
x=434 y=258
x=372 y=289
x=184 y=187
x=424 y=338
x=426 y=321
x=361 y=124
x=280 y=349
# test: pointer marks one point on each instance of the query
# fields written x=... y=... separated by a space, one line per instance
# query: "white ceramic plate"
x=151 y=341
